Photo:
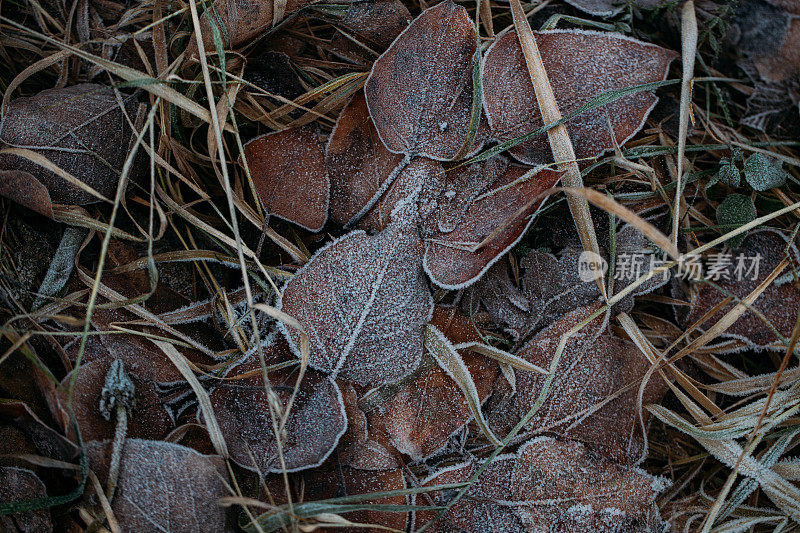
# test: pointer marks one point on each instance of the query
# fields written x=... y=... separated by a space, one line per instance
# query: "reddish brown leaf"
x=237 y=22
x=80 y=129
x=548 y=485
x=374 y=23
x=359 y=447
x=165 y=487
x=581 y=65
x=26 y=190
x=345 y=481
x=420 y=91
x=364 y=302
x=452 y=266
x=420 y=418
x=593 y=398
x=289 y=174
x=316 y=421
x=17 y=485
x=778 y=303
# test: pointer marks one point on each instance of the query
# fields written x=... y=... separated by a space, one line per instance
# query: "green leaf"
x=735 y=211
x=727 y=174
x=764 y=173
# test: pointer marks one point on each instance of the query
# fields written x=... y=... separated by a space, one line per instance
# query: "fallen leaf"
x=360 y=447
x=290 y=176
x=581 y=65
x=421 y=417
x=608 y=8
x=364 y=303
x=420 y=90
x=734 y=211
x=778 y=303
x=237 y=23
x=764 y=173
x=165 y=487
x=548 y=485
x=373 y=23
x=315 y=422
x=593 y=398
x=80 y=129
x=450 y=260
x=18 y=485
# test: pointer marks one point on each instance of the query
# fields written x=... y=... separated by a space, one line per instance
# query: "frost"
x=364 y=303
x=773 y=303
x=607 y=8
x=764 y=173
x=424 y=80
x=549 y=485
x=734 y=211
x=451 y=258
x=581 y=65
x=80 y=129
x=18 y=485
x=290 y=176
x=593 y=398
x=165 y=487
x=316 y=421
x=419 y=419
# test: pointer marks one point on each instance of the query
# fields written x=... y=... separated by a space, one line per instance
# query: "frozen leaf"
x=607 y=8
x=357 y=160
x=593 y=398
x=581 y=65
x=420 y=90
x=452 y=260
x=763 y=172
x=237 y=23
x=364 y=303
x=505 y=303
x=18 y=485
x=345 y=481
x=360 y=446
x=548 y=485
x=758 y=255
x=290 y=176
x=165 y=487
x=315 y=423
x=734 y=211
x=374 y=23
x=769 y=34
x=421 y=417
x=773 y=107
x=80 y=129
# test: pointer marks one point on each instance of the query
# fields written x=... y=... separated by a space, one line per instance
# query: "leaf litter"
x=406 y=334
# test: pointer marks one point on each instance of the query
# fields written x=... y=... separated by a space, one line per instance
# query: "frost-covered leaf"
x=769 y=34
x=593 y=398
x=761 y=252
x=165 y=487
x=581 y=65
x=316 y=421
x=373 y=23
x=449 y=257
x=763 y=172
x=18 y=485
x=360 y=447
x=364 y=303
x=420 y=90
x=548 y=485
x=290 y=176
x=734 y=211
x=237 y=22
x=607 y=8
x=728 y=173
x=421 y=417
x=80 y=129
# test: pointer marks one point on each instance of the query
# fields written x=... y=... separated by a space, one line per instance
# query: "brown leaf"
x=769 y=34
x=364 y=303
x=80 y=129
x=17 y=485
x=238 y=22
x=359 y=447
x=375 y=23
x=450 y=265
x=420 y=90
x=607 y=8
x=289 y=174
x=778 y=303
x=548 y=485
x=165 y=487
x=316 y=421
x=420 y=418
x=24 y=189
x=345 y=481
x=581 y=65
x=595 y=368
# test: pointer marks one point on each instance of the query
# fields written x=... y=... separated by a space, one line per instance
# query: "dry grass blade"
x=560 y=143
